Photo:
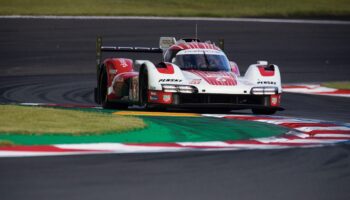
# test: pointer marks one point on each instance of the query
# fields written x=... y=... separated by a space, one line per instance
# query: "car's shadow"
x=193 y=110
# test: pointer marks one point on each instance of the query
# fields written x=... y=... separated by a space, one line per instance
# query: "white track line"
x=261 y=20
x=314 y=89
x=314 y=128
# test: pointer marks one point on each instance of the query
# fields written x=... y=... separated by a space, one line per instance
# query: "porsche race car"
x=191 y=74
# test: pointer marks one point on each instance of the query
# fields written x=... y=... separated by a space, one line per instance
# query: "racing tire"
x=143 y=92
x=103 y=89
x=143 y=87
x=264 y=111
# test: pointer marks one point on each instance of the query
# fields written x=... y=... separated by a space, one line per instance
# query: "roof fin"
x=166 y=42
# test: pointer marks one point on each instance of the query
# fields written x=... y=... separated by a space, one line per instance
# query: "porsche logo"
x=222 y=78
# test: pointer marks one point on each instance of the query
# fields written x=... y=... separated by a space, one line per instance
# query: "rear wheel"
x=264 y=111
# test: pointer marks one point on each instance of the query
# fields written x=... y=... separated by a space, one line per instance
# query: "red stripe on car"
x=264 y=72
x=169 y=69
x=216 y=78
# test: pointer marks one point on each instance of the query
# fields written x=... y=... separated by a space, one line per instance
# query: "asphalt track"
x=52 y=61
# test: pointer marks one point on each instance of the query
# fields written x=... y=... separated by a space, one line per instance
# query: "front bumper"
x=248 y=101
x=221 y=106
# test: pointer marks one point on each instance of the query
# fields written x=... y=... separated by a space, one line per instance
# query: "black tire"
x=103 y=89
x=143 y=92
x=143 y=87
x=265 y=111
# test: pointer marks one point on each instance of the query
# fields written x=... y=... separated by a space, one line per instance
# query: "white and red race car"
x=191 y=74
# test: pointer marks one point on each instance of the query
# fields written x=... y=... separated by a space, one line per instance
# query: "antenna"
x=196 y=31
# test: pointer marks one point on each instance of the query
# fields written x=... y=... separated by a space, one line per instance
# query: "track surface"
x=52 y=61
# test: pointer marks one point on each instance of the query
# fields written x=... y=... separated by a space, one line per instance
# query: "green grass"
x=39 y=120
x=338 y=85
x=6 y=143
x=211 y=8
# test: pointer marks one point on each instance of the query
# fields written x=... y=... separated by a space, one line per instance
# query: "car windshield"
x=203 y=62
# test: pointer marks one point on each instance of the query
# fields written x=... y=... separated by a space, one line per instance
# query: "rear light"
x=264 y=90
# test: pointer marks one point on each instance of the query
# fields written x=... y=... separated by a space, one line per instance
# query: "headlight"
x=186 y=89
x=179 y=88
x=169 y=88
x=264 y=90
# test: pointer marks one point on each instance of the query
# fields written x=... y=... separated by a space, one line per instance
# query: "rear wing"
x=100 y=48
x=164 y=44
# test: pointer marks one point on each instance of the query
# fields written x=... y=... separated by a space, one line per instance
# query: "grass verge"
x=6 y=143
x=203 y=8
x=39 y=120
x=338 y=85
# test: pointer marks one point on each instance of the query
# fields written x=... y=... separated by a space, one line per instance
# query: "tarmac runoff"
x=315 y=89
x=165 y=114
x=296 y=132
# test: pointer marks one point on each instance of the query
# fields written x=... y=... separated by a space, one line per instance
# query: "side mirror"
x=234 y=68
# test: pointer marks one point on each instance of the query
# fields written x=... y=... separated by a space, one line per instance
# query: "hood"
x=212 y=78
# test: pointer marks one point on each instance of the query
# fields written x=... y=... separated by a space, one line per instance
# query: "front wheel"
x=143 y=87
x=263 y=111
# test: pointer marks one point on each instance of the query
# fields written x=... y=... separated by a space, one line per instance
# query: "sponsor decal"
x=160 y=97
x=275 y=100
x=267 y=82
x=153 y=98
x=195 y=81
x=196 y=45
x=112 y=71
x=221 y=79
x=169 y=80
x=123 y=62
x=216 y=78
x=166 y=97
x=200 y=51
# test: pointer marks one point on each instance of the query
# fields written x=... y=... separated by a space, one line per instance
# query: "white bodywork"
x=244 y=84
x=191 y=74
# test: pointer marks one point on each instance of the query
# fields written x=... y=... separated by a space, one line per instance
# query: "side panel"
x=117 y=69
x=234 y=68
x=264 y=76
x=169 y=73
x=163 y=73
